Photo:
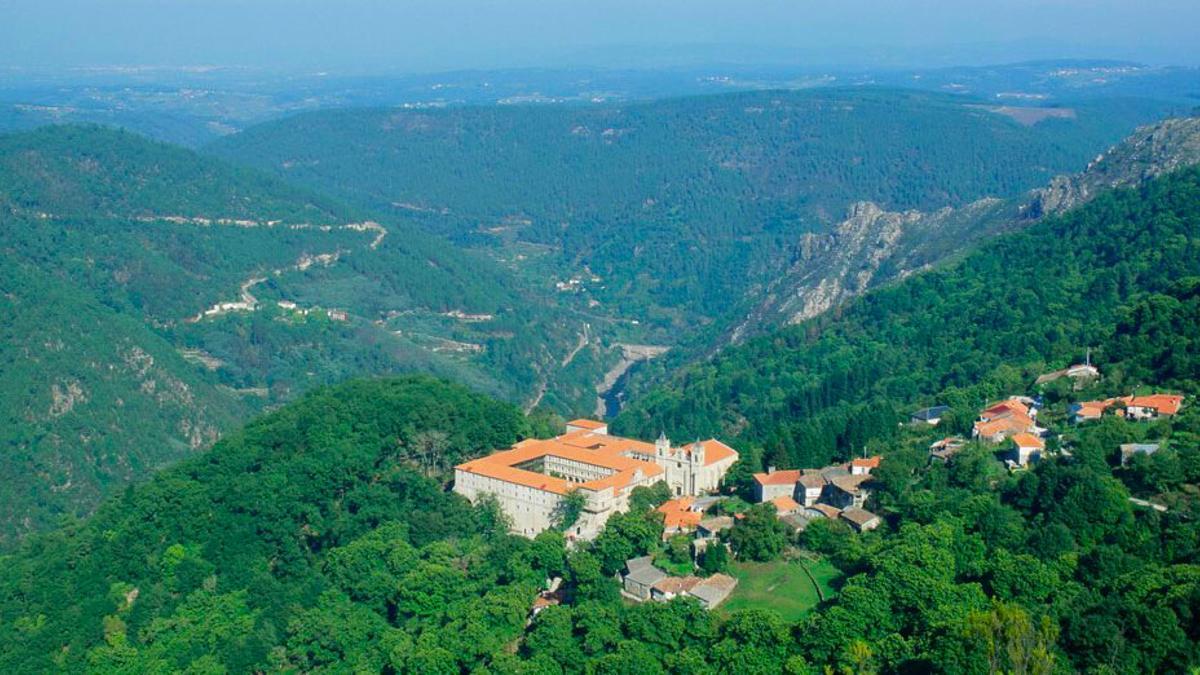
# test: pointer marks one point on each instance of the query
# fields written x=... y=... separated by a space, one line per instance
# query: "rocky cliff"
x=873 y=246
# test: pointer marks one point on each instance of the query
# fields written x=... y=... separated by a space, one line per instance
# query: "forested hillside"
x=154 y=298
x=284 y=540
x=91 y=399
x=873 y=246
x=1021 y=303
x=721 y=186
x=322 y=538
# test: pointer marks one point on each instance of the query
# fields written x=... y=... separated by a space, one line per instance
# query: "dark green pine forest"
x=321 y=537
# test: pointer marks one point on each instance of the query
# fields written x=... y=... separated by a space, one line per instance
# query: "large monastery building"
x=531 y=479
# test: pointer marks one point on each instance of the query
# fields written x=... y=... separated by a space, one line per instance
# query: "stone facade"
x=531 y=479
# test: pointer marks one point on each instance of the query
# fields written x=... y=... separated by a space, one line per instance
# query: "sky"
x=432 y=35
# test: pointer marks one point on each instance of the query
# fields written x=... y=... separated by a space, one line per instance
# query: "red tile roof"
x=1006 y=406
x=714 y=451
x=1028 y=441
x=867 y=462
x=580 y=446
x=785 y=504
x=778 y=477
x=584 y=423
x=1165 y=404
x=677 y=514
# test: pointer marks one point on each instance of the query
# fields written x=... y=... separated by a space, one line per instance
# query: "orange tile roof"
x=677 y=514
x=1025 y=440
x=1012 y=424
x=584 y=423
x=1165 y=404
x=714 y=451
x=785 y=504
x=778 y=477
x=1094 y=408
x=581 y=446
x=586 y=447
x=1006 y=406
x=867 y=462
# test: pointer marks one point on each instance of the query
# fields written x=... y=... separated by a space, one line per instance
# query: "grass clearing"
x=781 y=586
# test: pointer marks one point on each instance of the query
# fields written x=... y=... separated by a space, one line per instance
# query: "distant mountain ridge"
x=632 y=193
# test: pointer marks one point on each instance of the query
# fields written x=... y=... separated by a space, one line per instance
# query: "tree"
x=644 y=498
x=715 y=558
x=759 y=535
x=1011 y=641
x=567 y=511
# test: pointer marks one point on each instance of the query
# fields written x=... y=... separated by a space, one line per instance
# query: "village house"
x=799 y=496
x=931 y=416
x=640 y=577
x=796 y=522
x=785 y=506
x=1148 y=407
x=1081 y=374
x=680 y=515
x=531 y=480
x=1027 y=448
x=672 y=587
x=846 y=491
x=822 y=511
x=794 y=492
x=860 y=519
x=709 y=528
x=1130 y=450
x=712 y=590
x=643 y=581
x=944 y=449
x=1086 y=411
x=1004 y=419
x=772 y=484
x=863 y=466
x=1151 y=407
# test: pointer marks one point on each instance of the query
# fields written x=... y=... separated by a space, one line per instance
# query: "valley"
x=297 y=398
x=647 y=338
x=264 y=289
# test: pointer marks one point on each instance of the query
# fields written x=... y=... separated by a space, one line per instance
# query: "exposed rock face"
x=873 y=246
x=1149 y=152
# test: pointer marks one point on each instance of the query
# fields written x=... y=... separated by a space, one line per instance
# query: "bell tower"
x=662 y=447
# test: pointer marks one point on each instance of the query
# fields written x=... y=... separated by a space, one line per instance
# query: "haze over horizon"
x=367 y=36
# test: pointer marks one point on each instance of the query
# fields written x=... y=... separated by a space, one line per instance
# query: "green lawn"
x=780 y=585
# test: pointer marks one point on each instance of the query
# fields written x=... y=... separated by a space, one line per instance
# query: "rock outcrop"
x=873 y=246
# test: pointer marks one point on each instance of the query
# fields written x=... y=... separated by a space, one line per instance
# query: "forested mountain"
x=723 y=186
x=873 y=246
x=1022 y=303
x=319 y=537
x=155 y=297
x=226 y=558
x=92 y=399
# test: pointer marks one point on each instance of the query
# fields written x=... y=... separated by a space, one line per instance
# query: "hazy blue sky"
x=422 y=35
